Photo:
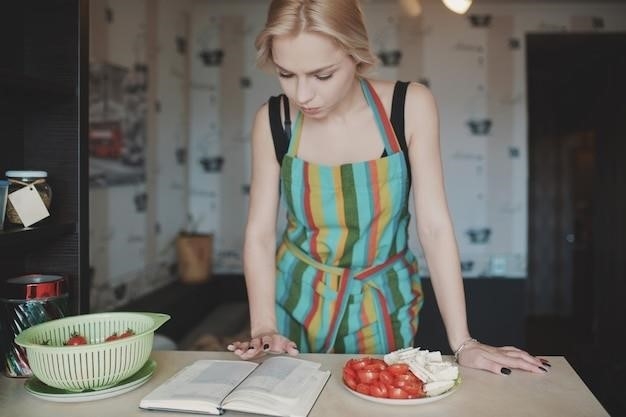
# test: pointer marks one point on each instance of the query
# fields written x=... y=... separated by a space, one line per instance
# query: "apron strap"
x=384 y=125
x=295 y=137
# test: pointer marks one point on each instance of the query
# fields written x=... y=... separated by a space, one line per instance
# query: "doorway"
x=577 y=204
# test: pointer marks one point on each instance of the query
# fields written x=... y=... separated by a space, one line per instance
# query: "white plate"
x=408 y=401
x=46 y=392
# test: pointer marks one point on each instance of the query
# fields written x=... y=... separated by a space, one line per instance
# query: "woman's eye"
x=284 y=75
x=324 y=77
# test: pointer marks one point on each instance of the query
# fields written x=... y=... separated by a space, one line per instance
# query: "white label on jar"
x=28 y=205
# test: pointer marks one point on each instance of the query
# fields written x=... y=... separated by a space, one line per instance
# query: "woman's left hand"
x=500 y=360
x=266 y=343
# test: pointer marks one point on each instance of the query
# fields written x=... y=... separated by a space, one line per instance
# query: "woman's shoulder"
x=261 y=118
x=384 y=88
x=418 y=95
x=419 y=98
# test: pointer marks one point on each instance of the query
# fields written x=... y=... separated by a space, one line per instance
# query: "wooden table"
x=559 y=392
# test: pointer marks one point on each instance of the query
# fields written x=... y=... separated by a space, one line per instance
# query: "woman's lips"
x=310 y=110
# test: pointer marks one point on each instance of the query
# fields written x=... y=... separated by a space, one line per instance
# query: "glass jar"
x=26 y=301
x=19 y=179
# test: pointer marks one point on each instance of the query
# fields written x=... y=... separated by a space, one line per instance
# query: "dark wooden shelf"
x=44 y=114
x=16 y=238
x=13 y=84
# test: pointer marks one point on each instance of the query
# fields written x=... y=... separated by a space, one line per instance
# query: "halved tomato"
x=350 y=381
x=398 y=368
x=406 y=378
x=386 y=377
x=414 y=389
x=347 y=371
x=358 y=363
x=398 y=393
x=363 y=389
x=376 y=365
x=378 y=389
x=367 y=376
x=372 y=376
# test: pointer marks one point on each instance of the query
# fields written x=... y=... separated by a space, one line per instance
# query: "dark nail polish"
x=546 y=363
x=266 y=346
x=543 y=369
x=505 y=371
x=250 y=347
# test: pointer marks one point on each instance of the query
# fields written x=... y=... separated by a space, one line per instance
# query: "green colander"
x=98 y=364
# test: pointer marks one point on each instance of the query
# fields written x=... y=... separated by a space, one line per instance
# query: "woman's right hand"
x=273 y=343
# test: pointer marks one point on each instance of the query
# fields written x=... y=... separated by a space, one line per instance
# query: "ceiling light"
x=458 y=6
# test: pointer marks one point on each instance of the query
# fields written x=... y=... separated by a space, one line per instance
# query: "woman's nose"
x=304 y=92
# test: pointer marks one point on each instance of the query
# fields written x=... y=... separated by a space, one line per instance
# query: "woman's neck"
x=353 y=102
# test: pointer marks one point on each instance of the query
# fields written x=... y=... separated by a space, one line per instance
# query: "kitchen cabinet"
x=44 y=72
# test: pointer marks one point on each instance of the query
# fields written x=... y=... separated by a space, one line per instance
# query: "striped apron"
x=346 y=280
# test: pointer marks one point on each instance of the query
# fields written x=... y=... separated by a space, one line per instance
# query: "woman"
x=343 y=278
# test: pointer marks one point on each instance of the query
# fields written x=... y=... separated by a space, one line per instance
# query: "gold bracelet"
x=458 y=350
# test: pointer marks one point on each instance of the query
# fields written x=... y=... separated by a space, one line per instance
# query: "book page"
x=199 y=387
x=282 y=376
x=280 y=386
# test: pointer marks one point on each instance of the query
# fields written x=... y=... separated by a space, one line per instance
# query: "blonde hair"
x=341 y=20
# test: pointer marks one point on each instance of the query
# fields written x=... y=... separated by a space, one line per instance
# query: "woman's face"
x=314 y=71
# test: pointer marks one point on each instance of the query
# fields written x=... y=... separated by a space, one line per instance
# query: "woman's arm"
x=260 y=233
x=436 y=235
x=259 y=252
x=434 y=225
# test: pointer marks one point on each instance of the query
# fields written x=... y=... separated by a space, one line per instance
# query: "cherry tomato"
x=367 y=377
x=114 y=336
x=376 y=365
x=378 y=389
x=405 y=378
x=397 y=393
x=414 y=389
x=358 y=363
x=363 y=389
x=372 y=376
x=386 y=377
x=75 y=340
x=398 y=368
x=349 y=372
x=350 y=381
x=127 y=333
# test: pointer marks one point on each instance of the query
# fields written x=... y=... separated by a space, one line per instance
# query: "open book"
x=279 y=386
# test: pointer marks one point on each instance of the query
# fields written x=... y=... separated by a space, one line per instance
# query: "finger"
x=256 y=343
x=525 y=356
x=277 y=344
x=238 y=348
x=272 y=344
x=510 y=349
x=292 y=349
x=234 y=345
x=516 y=362
x=545 y=362
x=266 y=343
x=254 y=349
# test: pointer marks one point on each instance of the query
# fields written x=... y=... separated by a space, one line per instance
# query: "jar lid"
x=26 y=174
x=34 y=286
